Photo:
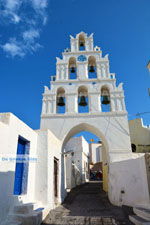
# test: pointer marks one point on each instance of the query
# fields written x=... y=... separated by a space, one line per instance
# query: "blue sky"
x=34 y=32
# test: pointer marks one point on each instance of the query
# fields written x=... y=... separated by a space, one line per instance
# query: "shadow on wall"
x=7 y=198
x=63 y=191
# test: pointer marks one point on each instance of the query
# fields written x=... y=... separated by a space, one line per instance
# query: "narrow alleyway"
x=88 y=205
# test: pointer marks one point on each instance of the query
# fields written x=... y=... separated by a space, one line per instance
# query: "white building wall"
x=68 y=172
x=96 y=152
x=48 y=147
x=80 y=148
x=44 y=146
x=85 y=146
x=10 y=129
x=140 y=135
x=129 y=190
x=85 y=168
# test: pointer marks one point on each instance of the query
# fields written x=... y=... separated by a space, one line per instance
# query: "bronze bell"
x=60 y=101
x=105 y=100
x=82 y=101
x=72 y=70
x=91 y=69
x=81 y=44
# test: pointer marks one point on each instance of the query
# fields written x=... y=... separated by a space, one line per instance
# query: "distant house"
x=95 y=152
x=140 y=136
x=77 y=161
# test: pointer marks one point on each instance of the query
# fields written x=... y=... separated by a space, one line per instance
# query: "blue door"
x=20 y=165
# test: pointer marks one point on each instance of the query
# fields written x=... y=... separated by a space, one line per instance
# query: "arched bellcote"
x=83 y=96
x=83 y=83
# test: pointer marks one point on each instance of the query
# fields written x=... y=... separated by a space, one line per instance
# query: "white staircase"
x=142 y=216
x=25 y=214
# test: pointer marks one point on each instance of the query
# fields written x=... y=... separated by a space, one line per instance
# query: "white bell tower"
x=83 y=95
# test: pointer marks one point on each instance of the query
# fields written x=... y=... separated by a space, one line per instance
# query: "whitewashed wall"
x=48 y=147
x=140 y=135
x=80 y=147
x=96 y=152
x=85 y=160
x=10 y=128
x=44 y=146
x=128 y=183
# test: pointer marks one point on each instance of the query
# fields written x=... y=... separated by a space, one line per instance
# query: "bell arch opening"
x=92 y=67
x=60 y=101
x=72 y=68
x=92 y=164
x=133 y=147
x=105 y=99
x=82 y=43
x=83 y=100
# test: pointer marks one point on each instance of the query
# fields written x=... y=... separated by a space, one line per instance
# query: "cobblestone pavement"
x=88 y=205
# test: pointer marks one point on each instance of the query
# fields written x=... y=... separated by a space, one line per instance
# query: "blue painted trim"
x=21 y=171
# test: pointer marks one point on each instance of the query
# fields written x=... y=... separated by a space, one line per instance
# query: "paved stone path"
x=88 y=205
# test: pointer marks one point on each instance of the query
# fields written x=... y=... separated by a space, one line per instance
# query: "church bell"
x=105 y=100
x=82 y=101
x=60 y=101
x=72 y=70
x=81 y=44
x=91 y=69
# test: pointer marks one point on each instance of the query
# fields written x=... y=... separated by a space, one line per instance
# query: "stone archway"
x=86 y=127
x=112 y=128
x=105 y=153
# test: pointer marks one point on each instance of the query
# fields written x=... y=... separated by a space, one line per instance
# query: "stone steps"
x=82 y=220
x=142 y=216
x=10 y=222
x=31 y=218
x=83 y=208
x=25 y=208
x=24 y=214
x=142 y=212
x=138 y=220
x=91 y=189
